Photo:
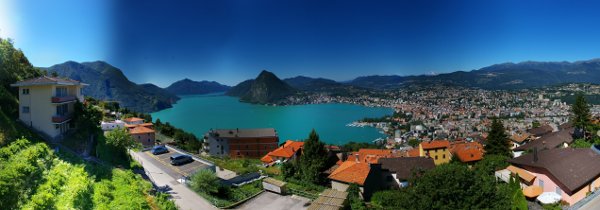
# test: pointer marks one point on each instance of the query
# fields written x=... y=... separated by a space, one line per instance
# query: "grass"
x=239 y=166
x=234 y=195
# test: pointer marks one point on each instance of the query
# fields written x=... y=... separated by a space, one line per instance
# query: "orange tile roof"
x=370 y=155
x=351 y=172
x=435 y=144
x=524 y=174
x=286 y=151
x=467 y=151
x=413 y=152
x=140 y=130
x=131 y=119
x=519 y=137
x=148 y=125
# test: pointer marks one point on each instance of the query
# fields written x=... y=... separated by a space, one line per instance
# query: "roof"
x=549 y=141
x=571 y=168
x=133 y=119
x=244 y=133
x=523 y=174
x=467 y=151
x=436 y=144
x=140 y=130
x=351 y=172
x=413 y=152
x=519 y=137
x=370 y=155
x=143 y=124
x=329 y=199
x=540 y=131
x=47 y=80
x=404 y=167
x=287 y=150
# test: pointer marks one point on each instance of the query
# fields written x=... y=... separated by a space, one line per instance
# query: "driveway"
x=175 y=171
x=272 y=201
x=160 y=175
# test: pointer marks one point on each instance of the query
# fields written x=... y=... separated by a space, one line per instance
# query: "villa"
x=46 y=104
x=290 y=150
x=142 y=132
x=437 y=149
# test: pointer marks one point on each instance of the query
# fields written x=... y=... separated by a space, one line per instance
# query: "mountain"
x=266 y=88
x=311 y=84
x=499 y=76
x=189 y=87
x=107 y=82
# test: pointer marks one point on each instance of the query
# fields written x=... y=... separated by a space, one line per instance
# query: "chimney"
x=535 y=154
x=356 y=158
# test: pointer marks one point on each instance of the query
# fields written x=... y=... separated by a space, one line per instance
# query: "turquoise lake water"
x=199 y=113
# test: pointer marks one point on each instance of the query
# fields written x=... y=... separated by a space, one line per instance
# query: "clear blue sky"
x=230 y=41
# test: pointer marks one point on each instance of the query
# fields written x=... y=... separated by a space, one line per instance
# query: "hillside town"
x=526 y=141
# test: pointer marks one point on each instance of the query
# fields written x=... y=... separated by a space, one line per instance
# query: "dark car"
x=181 y=159
x=160 y=149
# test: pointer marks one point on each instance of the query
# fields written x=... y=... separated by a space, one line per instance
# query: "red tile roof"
x=436 y=144
x=370 y=155
x=140 y=130
x=467 y=151
x=413 y=152
x=286 y=151
x=132 y=119
x=351 y=172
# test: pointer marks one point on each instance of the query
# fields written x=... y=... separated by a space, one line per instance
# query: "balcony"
x=63 y=99
x=61 y=118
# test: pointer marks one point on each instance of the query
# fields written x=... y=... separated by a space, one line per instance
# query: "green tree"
x=581 y=143
x=120 y=138
x=356 y=203
x=413 y=142
x=288 y=169
x=205 y=181
x=581 y=114
x=497 y=141
x=518 y=199
x=313 y=159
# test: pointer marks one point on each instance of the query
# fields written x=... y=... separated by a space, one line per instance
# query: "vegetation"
x=313 y=160
x=205 y=181
x=356 y=203
x=497 y=141
x=581 y=143
x=355 y=146
x=120 y=138
x=581 y=114
x=184 y=140
x=223 y=196
x=239 y=166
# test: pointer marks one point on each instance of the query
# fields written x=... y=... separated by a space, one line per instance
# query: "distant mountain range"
x=190 y=87
x=107 y=82
x=266 y=88
x=500 y=76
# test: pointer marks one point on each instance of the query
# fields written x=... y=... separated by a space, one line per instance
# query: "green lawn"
x=234 y=195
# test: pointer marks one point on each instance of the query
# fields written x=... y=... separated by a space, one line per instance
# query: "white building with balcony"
x=47 y=103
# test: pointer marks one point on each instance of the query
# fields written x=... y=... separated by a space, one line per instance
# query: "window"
x=436 y=157
x=25 y=91
x=443 y=156
x=61 y=91
x=25 y=110
x=558 y=191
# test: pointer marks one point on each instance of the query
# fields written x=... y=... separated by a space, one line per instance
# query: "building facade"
x=46 y=104
x=438 y=150
x=238 y=143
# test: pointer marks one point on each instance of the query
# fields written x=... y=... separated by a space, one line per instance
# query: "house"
x=142 y=132
x=540 y=131
x=368 y=177
x=111 y=125
x=562 y=138
x=437 y=149
x=238 y=143
x=519 y=138
x=467 y=152
x=370 y=155
x=398 y=170
x=286 y=152
x=566 y=172
x=46 y=104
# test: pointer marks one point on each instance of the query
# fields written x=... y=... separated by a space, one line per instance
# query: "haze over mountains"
x=109 y=83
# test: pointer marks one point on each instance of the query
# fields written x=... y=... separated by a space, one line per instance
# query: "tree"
x=205 y=181
x=413 y=142
x=497 y=140
x=313 y=159
x=353 y=196
x=288 y=169
x=120 y=138
x=581 y=114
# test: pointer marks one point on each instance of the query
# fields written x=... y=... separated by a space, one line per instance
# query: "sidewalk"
x=183 y=197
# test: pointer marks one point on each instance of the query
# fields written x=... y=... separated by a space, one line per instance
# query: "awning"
x=522 y=173
x=532 y=191
x=549 y=198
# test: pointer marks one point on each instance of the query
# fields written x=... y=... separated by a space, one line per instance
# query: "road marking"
x=166 y=164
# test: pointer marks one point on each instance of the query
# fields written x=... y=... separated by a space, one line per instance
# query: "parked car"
x=181 y=159
x=160 y=149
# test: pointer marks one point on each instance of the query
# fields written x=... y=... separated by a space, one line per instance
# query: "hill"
x=500 y=76
x=311 y=84
x=189 y=87
x=107 y=82
x=266 y=88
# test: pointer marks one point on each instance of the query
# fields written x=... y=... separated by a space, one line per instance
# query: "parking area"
x=269 y=200
x=175 y=171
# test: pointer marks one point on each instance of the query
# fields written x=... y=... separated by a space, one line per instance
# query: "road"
x=183 y=197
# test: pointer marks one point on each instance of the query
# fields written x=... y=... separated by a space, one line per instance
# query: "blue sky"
x=230 y=41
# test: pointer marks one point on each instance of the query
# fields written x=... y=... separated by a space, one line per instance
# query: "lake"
x=199 y=113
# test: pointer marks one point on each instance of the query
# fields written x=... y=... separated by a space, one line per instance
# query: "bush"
x=205 y=181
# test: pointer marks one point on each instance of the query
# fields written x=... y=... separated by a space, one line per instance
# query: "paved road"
x=594 y=204
x=272 y=201
x=159 y=174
